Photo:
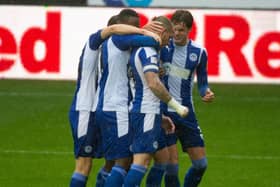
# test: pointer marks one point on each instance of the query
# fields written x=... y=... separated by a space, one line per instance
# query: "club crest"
x=193 y=57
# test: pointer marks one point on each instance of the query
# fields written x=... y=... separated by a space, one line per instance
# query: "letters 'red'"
x=50 y=36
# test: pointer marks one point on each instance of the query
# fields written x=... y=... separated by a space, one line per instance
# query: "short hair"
x=126 y=13
x=165 y=23
x=113 y=20
x=182 y=16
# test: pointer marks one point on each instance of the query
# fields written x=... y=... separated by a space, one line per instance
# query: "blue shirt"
x=181 y=64
x=113 y=88
x=87 y=74
x=144 y=59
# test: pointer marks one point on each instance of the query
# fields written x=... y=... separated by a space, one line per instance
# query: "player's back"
x=112 y=92
x=87 y=74
x=142 y=60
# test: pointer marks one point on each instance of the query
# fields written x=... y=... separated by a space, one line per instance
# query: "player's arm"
x=161 y=92
x=202 y=81
x=125 y=42
x=150 y=69
x=157 y=87
x=127 y=29
x=96 y=39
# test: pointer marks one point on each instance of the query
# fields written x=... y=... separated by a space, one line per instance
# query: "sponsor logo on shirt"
x=176 y=71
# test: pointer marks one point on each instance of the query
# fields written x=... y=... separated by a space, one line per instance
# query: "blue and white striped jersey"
x=181 y=63
x=87 y=74
x=143 y=60
x=113 y=89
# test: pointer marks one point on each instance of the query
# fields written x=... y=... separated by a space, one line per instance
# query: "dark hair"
x=113 y=20
x=126 y=14
x=182 y=16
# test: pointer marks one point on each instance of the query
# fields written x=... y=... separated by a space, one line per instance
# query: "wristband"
x=180 y=109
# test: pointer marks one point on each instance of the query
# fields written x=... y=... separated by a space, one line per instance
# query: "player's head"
x=168 y=29
x=129 y=16
x=182 y=16
x=113 y=20
x=182 y=21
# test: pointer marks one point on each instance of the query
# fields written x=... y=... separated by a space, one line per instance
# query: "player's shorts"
x=187 y=131
x=116 y=138
x=146 y=132
x=162 y=141
x=171 y=139
x=86 y=135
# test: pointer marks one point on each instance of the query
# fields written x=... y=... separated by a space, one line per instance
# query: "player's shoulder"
x=95 y=40
x=196 y=45
x=148 y=51
x=169 y=47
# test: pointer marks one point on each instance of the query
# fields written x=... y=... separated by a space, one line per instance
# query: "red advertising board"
x=45 y=43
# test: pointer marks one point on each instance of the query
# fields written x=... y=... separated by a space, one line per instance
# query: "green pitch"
x=241 y=129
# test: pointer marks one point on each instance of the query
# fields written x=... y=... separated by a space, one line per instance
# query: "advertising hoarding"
x=45 y=42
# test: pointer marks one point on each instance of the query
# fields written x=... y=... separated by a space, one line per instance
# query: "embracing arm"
x=126 y=29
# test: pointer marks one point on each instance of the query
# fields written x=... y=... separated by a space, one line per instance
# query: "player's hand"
x=167 y=125
x=154 y=26
x=153 y=35
x=183 y=111
x=209 y=96
x=161 y=71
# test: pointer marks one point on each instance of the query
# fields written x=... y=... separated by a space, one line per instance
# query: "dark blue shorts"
x=86 y=135
x=147 y=132
x=187 y=131
x=116 y=136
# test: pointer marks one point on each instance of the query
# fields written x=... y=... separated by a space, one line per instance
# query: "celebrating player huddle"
x=131 y=124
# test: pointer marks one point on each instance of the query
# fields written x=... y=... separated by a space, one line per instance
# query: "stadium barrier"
x=39 y=42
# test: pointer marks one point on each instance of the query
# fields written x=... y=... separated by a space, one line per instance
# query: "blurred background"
x=40 y=45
